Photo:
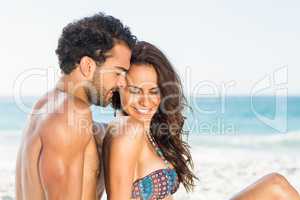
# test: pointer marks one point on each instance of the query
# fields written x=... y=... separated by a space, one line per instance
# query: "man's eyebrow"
x=121 y=68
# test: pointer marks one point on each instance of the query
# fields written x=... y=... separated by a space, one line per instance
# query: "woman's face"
x=141 y=97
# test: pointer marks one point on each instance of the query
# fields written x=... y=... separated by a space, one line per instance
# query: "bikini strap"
x=157 y=149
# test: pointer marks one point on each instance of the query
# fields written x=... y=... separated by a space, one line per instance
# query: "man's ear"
x=87 y=67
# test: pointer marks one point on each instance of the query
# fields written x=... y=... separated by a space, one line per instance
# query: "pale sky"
x=212 y=41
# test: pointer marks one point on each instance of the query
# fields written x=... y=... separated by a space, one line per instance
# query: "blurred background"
x=238 y=61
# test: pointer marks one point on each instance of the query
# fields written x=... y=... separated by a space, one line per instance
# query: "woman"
x=143 y=151
x=144 y=154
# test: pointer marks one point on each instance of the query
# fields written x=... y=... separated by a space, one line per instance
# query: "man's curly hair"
x=93 y=37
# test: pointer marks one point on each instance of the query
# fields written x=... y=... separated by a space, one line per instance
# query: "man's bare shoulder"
x=70 y=122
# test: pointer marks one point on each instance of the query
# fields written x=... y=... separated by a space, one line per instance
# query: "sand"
x=222 y=171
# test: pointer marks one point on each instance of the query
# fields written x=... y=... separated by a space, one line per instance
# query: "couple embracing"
x=141 y=154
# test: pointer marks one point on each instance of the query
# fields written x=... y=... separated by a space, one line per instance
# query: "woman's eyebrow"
x=154 y=88
x=133 y=86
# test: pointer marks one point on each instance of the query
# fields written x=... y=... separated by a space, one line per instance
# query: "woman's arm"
x=123 y=151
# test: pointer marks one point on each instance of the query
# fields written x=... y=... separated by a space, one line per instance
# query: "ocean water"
x=234 y=141
x=234 y=121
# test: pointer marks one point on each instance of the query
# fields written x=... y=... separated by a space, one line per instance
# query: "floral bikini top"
x=158 y=184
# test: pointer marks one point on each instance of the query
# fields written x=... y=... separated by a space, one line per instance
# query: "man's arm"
x=99 y=130
x=62 y=156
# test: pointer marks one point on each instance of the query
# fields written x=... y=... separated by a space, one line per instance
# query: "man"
x=58 y=157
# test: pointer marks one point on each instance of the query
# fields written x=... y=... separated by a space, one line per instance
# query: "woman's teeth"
x=143 y=111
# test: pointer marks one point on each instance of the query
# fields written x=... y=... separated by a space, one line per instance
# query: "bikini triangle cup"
x=159 y=183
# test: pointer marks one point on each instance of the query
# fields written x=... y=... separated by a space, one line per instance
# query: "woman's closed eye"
x=154 y=92
x=134 y=90
x=137 y=90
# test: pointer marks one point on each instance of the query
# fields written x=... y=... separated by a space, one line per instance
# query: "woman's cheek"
x=157 y=101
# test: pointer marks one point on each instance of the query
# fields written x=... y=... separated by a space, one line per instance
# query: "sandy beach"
x=222 y=171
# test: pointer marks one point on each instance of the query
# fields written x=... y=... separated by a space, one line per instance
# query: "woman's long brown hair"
x=167 y=123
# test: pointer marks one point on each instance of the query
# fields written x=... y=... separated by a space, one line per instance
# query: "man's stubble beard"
x=96 y=92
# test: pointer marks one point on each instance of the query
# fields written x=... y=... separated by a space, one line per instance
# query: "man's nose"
x=121 y=82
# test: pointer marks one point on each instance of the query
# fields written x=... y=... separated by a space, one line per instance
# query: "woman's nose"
x=145 y=100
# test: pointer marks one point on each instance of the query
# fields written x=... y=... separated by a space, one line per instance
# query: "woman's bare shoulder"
x=125 y=126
